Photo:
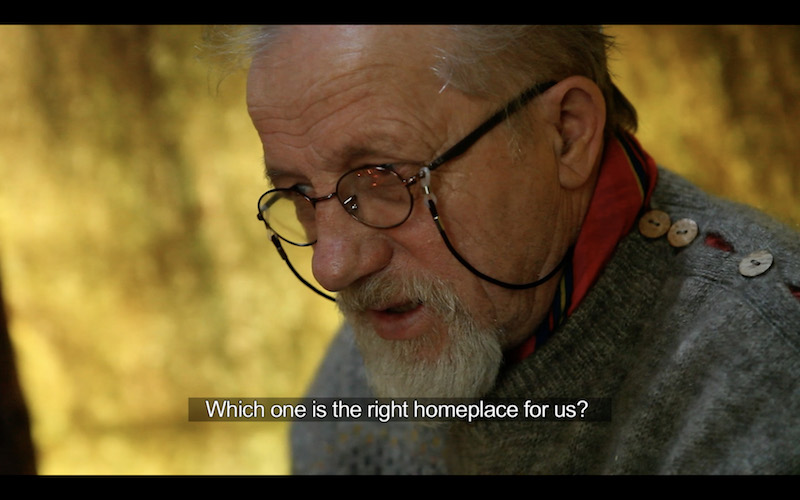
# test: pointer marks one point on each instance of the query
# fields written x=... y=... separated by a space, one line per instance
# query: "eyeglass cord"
x=430 y=200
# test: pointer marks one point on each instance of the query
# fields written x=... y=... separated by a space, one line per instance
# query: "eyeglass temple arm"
x=282 y=253
x=461 y=146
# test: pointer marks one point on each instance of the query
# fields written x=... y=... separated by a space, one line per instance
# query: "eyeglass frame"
x=388 y=168
x=423 y=177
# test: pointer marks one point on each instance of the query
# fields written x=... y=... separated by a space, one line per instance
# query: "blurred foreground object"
x=16 y=447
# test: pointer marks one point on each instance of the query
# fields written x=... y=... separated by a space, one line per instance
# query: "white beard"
x=461 y=362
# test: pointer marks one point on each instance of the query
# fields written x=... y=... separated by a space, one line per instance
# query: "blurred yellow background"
x=135 y=274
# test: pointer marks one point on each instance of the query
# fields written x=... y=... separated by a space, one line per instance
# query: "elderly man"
x=490 y=227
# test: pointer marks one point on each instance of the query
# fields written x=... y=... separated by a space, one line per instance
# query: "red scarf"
x=624 y=185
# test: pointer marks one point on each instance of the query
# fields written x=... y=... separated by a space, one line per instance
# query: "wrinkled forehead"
x=304 y=59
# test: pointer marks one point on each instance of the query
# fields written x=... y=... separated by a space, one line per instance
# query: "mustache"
x=382 y=292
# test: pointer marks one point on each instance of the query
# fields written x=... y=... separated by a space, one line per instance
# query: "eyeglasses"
x=378 y=197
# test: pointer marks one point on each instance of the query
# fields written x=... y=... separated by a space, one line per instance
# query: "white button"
x=682 y=233
x=755 y=263
x=654 y=223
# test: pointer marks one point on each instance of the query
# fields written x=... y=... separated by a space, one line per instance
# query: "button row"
x=657 y=223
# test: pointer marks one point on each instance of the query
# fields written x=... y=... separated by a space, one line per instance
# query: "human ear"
x=579 y=111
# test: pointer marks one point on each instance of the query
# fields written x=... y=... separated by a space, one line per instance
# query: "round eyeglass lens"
x=376 y=196
x=290 y=215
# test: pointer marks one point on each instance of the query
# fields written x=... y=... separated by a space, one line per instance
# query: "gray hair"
x=495 y=61
x=491 y=61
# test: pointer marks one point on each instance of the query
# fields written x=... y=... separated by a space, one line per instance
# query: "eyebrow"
x=270 y=172
x=387 y=146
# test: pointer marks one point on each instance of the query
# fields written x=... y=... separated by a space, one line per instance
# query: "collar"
x=624 y=186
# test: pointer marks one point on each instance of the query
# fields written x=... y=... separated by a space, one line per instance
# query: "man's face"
x=327 y=100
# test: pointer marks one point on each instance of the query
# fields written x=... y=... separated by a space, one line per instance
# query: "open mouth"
x=398 y=321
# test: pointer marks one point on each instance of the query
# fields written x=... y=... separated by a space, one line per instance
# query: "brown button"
x=682 y=233
x=654 y=223
x=755 y=263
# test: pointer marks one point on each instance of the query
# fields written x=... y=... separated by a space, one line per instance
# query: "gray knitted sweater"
x=701 y=364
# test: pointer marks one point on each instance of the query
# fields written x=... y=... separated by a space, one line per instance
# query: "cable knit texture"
x=700 y=362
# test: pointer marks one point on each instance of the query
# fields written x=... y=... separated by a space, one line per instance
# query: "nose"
x=346 y=250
